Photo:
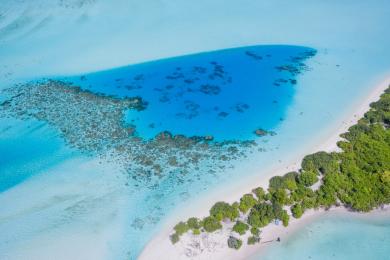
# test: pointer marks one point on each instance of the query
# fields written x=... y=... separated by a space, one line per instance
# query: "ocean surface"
x=222 y=74
x=336 y=237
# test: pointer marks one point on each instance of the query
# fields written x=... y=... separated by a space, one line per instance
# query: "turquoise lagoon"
x=43 y=39
x=227 y=94
x=336 y=237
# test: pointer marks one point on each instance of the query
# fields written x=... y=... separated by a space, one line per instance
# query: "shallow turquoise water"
x=226 y=93
x=336 y=237
x=26 y=149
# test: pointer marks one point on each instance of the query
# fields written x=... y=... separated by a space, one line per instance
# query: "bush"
x=234 y=243
x=253 y=240
x=289 y=180
x=276 y=183
x=196 y=231
x=211 y=224
x=261 y=215
x=255 y=231
x=223 y=210
x=193 y=223
x=259 y=192
x=240 y=227
x=285 y=218
x=321 y=161
x=297 y=210
x=308 y=203
x=181 y=228
x=246 y=202
x=267 y=197
x=280 y=197
x=175 y=238
x=308 y=178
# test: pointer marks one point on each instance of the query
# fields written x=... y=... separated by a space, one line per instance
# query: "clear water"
x=227 y=94
x=336 y=237
x=26 y=149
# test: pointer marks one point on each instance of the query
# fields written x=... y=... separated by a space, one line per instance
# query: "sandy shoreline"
x=161 y=247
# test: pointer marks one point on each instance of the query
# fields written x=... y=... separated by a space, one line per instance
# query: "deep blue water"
x=227 y=93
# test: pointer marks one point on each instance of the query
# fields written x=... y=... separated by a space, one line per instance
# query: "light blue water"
x=26 y=149
x=227 y=93
x=336 y=237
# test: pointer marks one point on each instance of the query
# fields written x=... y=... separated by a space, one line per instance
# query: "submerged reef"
x=357 y=177
x=94 y=123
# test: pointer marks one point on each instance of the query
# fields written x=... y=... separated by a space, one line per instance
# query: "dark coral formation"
x=95 y=124
x=294 y=67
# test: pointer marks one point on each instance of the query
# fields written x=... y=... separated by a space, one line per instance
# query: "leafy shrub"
x=234 y=243
x=285 y=218
x=308 y=178
x=211 y=224
x=259 y=192
x=240 y=227
x=246 y=202
x=276 y=183
x=181 y=228
x=175 y=238
x=321 y=161
x=193 y=223
x=261 y=215
x=253 y=240
x=223 y=210
x=297 y=210
x=255 y=231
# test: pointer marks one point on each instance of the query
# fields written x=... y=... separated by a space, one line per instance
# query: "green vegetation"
x=253 y=240
x=255 y=231
x=223 y=210
x=285 y=218
x=259 y=192
x=175 y=238
x=297 y=210
x=234 y=243
x=181 y=228
x=307 y=178
x=193 y=223
x=240 y=227
x=357 y=177
x=247 y=202
x=211 y=224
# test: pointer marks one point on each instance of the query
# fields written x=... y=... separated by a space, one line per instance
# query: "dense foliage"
x=240 y=227
x=358 y=177
x=211 y=224
x=223 y=210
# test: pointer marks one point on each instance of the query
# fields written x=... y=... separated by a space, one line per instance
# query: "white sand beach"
x=214 y=246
